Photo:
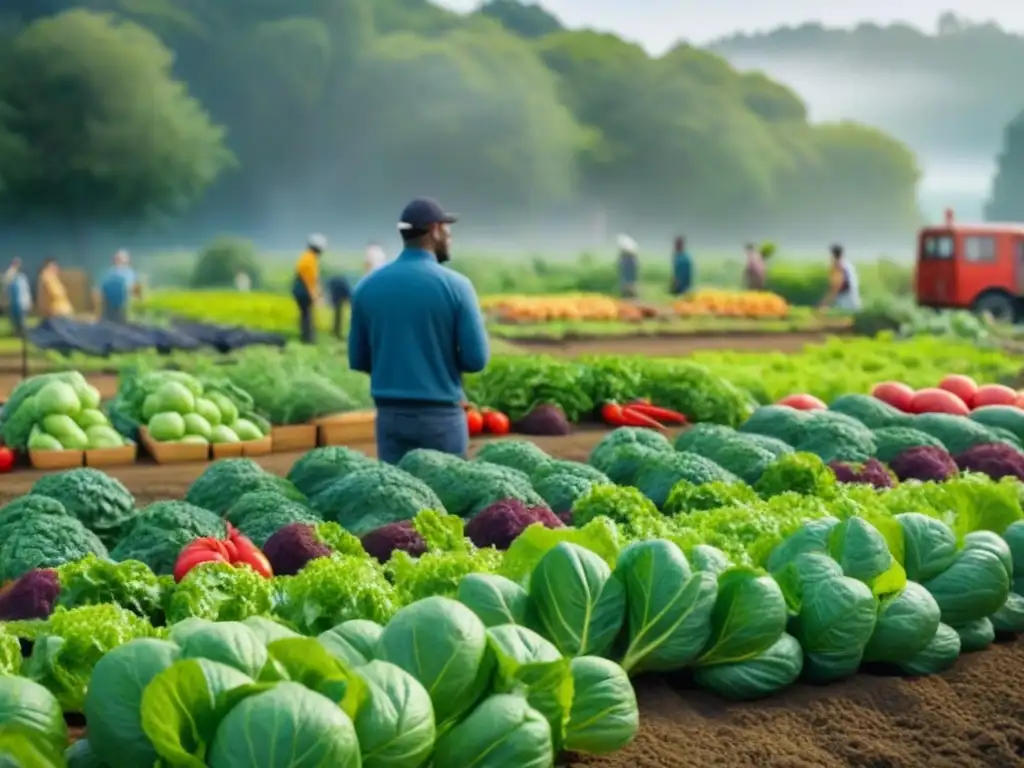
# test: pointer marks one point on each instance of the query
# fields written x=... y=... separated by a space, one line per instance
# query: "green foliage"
x=221 y=261
x=98 y=130
x=1008 y=185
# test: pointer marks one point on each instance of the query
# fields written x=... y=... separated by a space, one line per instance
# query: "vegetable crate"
x=262 y=447
x=347 y=428
x=56 y=459
x=226 y=450
x=294 y=438
x=112 y=457
x=174 y=453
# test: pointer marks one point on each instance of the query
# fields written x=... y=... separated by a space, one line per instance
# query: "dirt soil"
x=970 y=716
x=674 y=346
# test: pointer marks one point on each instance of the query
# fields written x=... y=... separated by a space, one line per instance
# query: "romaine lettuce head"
x=228 y=642
x=503 y=731
x=442 y=644
x=28 y=706
x=580 y=607
x=929 y=546
x=494 y=599
x=907 y=622
x=288 y=726
x=939 y=655
x=975 y=586
x=396 y=724
x=776 y=668
x=604 y=717
x=670 y=606
x=113 y=703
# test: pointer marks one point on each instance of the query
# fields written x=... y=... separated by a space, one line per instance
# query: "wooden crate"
x=347 y=428
x=56 y=459
x=294 y=438
x=112 y=457
x=262 y=447
x=174 y=453
x=226 y=450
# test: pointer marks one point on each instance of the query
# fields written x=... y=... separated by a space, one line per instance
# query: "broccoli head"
x=227 y=480
x=46 y=543
x=500 y=524
x=384 y=541
x=544 y=419
x=660 y=473
x=33 y=596
x=158 y=533
x=561 y=491
x=29 y=507
x=372 y=497
x=925 y=463
x=292 y=547
x=259 y=514
x=320 y=467
x=872 y=472
x=997 y=460
x=606 y=455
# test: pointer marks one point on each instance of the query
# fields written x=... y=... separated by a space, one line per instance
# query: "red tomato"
x=803 y=403
x=1020 y=401
x=474 y=422
x=496 y=423
x=895 y=393
x=994 y=394
x=963 y=387
x=6 y=459
x=249 y=554
x=934 y=400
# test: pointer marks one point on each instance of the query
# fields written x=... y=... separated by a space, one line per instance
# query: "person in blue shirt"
x=416 y=327
x=682 y=268
x=117 y=288
x=19 y=296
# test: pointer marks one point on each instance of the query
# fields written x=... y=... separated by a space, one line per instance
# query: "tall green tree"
x=529 y=20
x=106 y=134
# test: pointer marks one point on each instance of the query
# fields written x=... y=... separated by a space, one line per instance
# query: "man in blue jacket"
x=416 y=327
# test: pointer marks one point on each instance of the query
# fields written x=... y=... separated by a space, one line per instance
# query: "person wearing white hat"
x=629 y=266
x=306 y=286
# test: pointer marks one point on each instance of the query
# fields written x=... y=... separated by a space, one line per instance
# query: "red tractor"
x=972 y=266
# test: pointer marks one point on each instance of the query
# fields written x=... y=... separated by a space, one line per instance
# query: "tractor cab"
x=979 y=267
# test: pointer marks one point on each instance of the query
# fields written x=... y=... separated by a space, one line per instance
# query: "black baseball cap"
x=423 y=212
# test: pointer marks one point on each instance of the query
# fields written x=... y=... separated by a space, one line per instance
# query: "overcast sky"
x=659 y=23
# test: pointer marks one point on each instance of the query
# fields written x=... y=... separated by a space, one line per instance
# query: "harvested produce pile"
x=542 y=309
x=717 y=303
x=54 y=412
x=178 y=407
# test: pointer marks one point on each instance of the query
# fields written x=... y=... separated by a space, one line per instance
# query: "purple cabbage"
x=997 y=460
x=925 y=463
x=872 y=472
x=544 y=419
x=384 y=541
x=501 y=523
x=33 y=596
x=292 y=547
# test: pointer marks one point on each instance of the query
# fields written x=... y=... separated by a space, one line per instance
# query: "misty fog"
x=909 y=105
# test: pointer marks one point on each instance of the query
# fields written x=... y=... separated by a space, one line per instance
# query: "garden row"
x=484 y=612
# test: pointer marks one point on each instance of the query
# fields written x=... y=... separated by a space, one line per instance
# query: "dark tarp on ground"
x=104 y=338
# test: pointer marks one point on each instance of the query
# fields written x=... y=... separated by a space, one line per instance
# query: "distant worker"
x=629 y=266
x=844 y=290
x=754 y=272
x=306 y=286
x=18 y=296
x=243 y=283
x=51 y=296
x=416 y=327
x=339 y=292
x=375 y=258
x=119 y=285
x=682 y=268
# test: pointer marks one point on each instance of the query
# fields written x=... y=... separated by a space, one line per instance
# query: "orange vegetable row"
x=715 y=303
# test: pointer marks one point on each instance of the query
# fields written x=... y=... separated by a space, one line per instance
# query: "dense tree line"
x=260 y=116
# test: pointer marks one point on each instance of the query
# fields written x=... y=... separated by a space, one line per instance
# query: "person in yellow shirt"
x=52 y=296
x=306 y=286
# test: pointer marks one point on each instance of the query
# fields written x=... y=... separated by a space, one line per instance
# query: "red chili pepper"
x=631 y=418
x=196 y=552
x=660 y=414
x=612 y=414
x=249 y=554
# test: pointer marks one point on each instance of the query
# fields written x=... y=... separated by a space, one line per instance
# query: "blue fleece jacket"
x=416 y=327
